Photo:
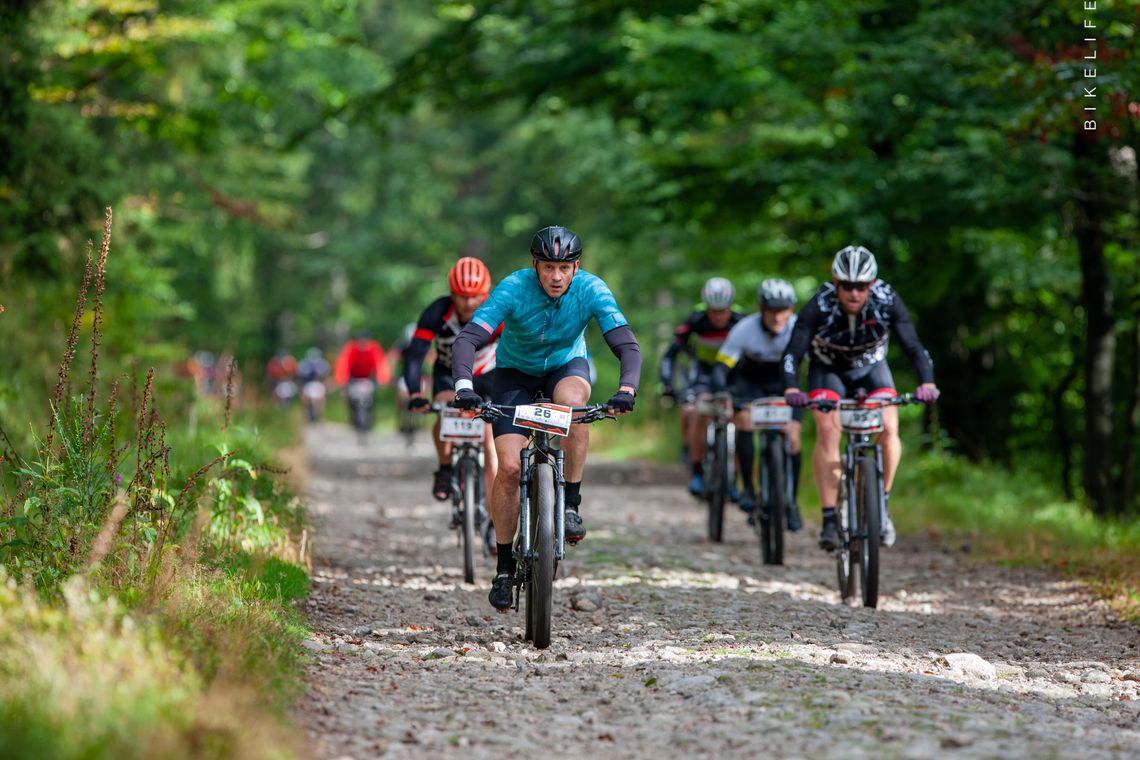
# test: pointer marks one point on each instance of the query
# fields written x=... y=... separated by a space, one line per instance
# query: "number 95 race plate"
x=549 y=418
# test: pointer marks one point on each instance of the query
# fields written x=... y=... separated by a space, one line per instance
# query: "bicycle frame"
x=540 y=445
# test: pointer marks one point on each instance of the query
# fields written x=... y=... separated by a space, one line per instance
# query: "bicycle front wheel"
x=540 y=586
x=844 y=554
x=718 y=488
x=773 y=533
x=869 y=529
x=469 y=472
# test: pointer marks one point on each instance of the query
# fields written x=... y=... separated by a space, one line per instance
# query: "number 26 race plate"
x=453 y=426
x=549 y=418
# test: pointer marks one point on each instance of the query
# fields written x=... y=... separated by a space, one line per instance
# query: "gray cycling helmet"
x=776 y=294
x=854 y=264
x=555 y=244
x=718 y=293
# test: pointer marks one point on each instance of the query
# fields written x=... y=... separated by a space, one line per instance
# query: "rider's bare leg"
x=442 y=448
x=892 y=445
x=825 y=458
x=574 y=391
x=505 y=489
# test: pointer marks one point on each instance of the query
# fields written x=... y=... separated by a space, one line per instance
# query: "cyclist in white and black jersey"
x=755 y=349
x=847 y=326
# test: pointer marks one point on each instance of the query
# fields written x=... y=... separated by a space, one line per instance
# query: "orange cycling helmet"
x=469 y=277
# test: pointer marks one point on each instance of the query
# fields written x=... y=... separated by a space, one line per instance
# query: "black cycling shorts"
x=514 y=388
x=846 y=382
x=442 y=380
x=745 y=391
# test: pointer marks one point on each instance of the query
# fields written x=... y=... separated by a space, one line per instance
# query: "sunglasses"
x=858 y=287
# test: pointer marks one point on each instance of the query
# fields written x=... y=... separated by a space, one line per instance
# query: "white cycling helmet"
x=718 y=293
x=854 y=264
x=776 y=294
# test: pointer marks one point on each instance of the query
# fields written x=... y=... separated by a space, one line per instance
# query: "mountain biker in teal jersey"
x=754 y=351
x=700 y=335
x=544 y=311
x=847 y=326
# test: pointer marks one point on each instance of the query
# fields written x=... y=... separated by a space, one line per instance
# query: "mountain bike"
x=770 y=416
x=361 y=395
x=468 y=504
x=719 y=462
x=539 y=540
x=861 y=500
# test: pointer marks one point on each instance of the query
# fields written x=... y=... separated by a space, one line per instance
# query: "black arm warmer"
x=625 y=348
x=719 y=379
x=908 y=337
x=470 y=339
x=414 y=363
x=806 y=322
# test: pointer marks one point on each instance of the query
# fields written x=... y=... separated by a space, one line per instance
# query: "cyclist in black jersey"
x=441 y=322
x=753 y=352
x=699 y=336
x=847 y=325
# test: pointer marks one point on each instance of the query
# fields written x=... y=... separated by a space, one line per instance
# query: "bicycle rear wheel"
x=469 y=472
x=846 y=553
x=540 y=583
x=718 y=488
x=777 y=501
x=869 y=528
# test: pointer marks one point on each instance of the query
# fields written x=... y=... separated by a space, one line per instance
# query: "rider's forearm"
x=414 y=364
x=624 y=345
x=469 y=340
x=719 y=377
x=918 y=355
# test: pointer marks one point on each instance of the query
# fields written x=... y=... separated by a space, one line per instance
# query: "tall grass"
x=146 y=572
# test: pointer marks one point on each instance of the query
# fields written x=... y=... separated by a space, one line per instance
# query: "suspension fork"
x=524 y=502
x=559 y=504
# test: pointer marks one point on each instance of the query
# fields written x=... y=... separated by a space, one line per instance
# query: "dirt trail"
x=667 y=646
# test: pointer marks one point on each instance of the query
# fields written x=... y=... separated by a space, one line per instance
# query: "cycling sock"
x=829 y=514
x=745 y=451
x=797 y=460
x=573 y=495
x=505 y=562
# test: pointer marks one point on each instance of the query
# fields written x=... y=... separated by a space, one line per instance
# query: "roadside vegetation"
x=147 y=567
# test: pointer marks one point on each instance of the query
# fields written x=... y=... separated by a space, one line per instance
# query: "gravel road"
x=668 y=646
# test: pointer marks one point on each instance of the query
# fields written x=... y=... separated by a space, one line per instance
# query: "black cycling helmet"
x=555 y=244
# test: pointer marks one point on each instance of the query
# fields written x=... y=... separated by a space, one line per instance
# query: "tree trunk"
x=1064 y=441
x=1100 y=338
x=1132 y=421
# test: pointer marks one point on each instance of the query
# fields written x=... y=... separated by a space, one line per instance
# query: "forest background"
x=286 y=173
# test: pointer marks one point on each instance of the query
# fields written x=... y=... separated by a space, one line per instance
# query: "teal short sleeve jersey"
x=540 y=333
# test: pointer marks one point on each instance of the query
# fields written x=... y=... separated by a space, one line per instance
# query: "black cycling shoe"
x=502 y=594
x=441 y=487
x=829 y=536
x=575 y=531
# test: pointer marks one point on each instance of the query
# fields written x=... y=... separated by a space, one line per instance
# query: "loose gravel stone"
x=688 y=649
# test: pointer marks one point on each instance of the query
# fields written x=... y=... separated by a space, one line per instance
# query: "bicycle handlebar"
x=830 y=405
x=490 y=411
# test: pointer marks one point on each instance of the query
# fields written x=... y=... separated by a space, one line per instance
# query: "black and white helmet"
x=718 y=293
x=776 y=294
x=854 y=264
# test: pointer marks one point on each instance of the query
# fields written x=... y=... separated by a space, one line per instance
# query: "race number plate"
x=770 y=413
x=549 y=418
x=453 y=426
x=861 y=419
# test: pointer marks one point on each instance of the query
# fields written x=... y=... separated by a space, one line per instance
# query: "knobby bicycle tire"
x=777 y=502
x=470 y=473
x=540 y=597
x=844 y=556
x=869 y=527
x=718 y=489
